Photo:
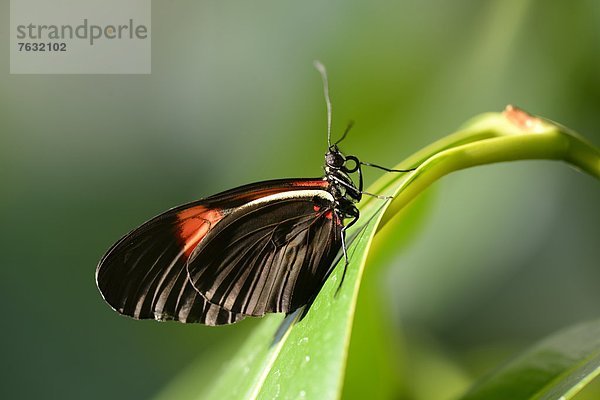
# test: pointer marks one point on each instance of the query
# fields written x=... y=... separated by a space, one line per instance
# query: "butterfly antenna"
x=321 y=68
x=350 y=125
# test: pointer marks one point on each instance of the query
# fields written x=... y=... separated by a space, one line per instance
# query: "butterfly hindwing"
x=144 y=274
x=271 y=255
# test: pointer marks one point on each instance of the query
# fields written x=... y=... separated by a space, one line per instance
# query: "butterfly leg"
x=384 y=168
x=354 y=214
x=377 y=196
x=357 y=167
x=357 y=191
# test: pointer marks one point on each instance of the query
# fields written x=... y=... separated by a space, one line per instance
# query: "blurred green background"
x=501 y=256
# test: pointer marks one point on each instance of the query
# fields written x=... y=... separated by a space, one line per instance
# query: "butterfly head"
x=334 y=158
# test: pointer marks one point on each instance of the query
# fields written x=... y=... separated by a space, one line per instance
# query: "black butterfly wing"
x=271 y=255
x=144 y=274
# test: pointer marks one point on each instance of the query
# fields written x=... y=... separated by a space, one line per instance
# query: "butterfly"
x=266 y=247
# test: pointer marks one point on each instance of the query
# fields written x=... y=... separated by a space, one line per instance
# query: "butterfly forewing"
x=144 y=274
x=270 y=255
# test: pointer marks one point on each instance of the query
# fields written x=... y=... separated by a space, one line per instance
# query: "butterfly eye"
x=334 y=159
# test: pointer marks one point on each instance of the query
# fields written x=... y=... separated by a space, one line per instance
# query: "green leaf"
x=556 y=368
x=306 y=357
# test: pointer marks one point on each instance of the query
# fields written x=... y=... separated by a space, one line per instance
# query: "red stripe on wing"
x=320 y=183
x=194 y=224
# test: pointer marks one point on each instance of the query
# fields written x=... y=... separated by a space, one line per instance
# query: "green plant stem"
x=472 y=147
